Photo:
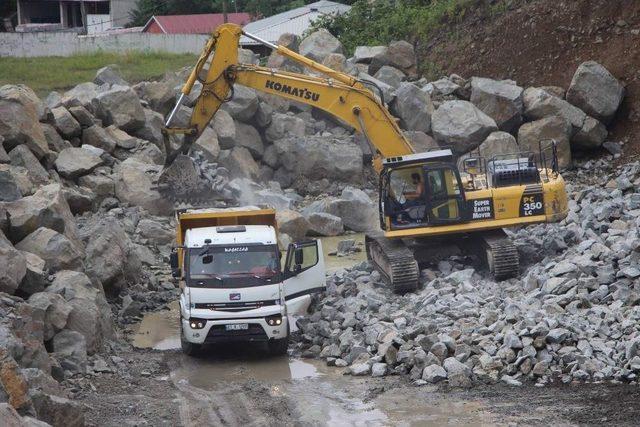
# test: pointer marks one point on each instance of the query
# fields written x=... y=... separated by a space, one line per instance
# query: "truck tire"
x=189 y=348
x=279 y=347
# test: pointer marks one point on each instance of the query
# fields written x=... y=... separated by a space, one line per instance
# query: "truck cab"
x=236 y=284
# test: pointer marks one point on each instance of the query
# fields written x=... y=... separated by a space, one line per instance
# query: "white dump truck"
x=234 y=284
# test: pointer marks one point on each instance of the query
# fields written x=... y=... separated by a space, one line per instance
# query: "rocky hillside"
x=542 y=42
x=85 y=233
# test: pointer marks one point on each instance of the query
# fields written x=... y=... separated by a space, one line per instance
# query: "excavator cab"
x=421 y=190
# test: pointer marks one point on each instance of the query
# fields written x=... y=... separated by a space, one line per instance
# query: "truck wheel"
x=279 y=347
x=189 y=348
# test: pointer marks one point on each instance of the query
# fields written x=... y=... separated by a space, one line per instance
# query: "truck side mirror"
x=176 y=272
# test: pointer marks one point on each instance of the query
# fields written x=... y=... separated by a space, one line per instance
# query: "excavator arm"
x=338 y=94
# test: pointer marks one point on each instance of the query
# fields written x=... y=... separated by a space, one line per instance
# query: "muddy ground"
x=242 y=385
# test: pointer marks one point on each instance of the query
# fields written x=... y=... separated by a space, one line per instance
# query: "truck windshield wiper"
x=205 y=251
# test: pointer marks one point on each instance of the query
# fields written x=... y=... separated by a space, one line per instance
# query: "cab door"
x=304 y=273
x=445 y=197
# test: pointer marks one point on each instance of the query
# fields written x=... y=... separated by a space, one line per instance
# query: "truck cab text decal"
x=237 y=249
x=294 y=91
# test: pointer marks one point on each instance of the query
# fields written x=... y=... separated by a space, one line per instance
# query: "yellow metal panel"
x=465 y=227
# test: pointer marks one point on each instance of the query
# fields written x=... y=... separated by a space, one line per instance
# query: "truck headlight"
x=275 y=320
x=197 y=323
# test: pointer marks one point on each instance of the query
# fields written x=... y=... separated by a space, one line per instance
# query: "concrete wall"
x=68 y=44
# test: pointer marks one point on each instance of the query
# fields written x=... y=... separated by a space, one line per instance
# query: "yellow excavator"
x=424 y=198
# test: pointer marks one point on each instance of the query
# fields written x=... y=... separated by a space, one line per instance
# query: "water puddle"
x=159 y=330
x=334 y=263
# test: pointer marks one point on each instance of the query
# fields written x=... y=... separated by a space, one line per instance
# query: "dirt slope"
x=541 y=42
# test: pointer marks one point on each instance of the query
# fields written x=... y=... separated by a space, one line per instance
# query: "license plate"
x=238 y=327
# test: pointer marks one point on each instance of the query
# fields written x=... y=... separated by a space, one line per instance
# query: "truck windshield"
x=222 y=262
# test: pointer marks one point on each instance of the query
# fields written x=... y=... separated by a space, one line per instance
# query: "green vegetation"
x=56 y=73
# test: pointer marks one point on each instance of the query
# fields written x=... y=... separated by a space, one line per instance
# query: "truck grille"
x=218 y=334
x=234 y=306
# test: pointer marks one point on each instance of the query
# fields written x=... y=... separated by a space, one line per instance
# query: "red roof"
x=195 y=24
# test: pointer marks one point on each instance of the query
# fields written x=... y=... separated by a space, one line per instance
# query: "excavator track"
x=501 y=255
x=395 y=262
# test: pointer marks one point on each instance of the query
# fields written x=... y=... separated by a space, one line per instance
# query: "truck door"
x=304 y=273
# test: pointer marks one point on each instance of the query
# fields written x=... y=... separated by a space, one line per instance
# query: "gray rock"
x=378 y=369
x=70 y=348
x=414 y=108
x=12 y=266
x=56 y=310
x=365 y=54
x=319 y=44
x=391 y=76
x=240 y=163
x=4 y=157
x=36 y=275
x=54 y=140
x=420 y=141
x=74 y=162
x=57 y=411
x=9 y=185
x=208 y=144
x=83 y=116
x=109 y=75
x=399 y=54
x=81 y=95
x=275 y=60
x=275 y=200
x=243 y=105
x=590 y=136
x=160 y=96
x=66 y=124
x=247 y=136
x=549 y=128
x=498 y=143
x=499 y=100
x=461 y=125
x=152 y=129
x=557 y=335
x=458 y=373
x=388 y=91
x=22 y=156
x=325 y=224
x=434 y=374
x=596 y=91
x=360 y=369
x=292 y=223
x=284 y=125
x=55 y=249
x=225 y=129
x=539 y=104
x=98 y=137
x=121 y=107
x=133 y=185
x=354 y=207
x=48 y=207
x=20 y=112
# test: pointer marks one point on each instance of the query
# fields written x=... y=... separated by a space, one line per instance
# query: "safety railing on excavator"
x=518 y=168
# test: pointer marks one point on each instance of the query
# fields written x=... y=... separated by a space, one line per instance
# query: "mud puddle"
x=159 y=330
x=334 y=263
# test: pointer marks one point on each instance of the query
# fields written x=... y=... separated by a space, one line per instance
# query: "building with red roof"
x=203 y=23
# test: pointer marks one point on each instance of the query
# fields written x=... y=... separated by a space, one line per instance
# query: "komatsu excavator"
x=423 y=197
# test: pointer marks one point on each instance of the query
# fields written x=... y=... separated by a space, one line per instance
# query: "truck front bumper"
x=216 y=331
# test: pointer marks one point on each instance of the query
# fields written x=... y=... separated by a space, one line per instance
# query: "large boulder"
x=225 y=129
x=110 y=76
x=22 y=156
x=539 y=104
x=243 y=104
x=292 y=224
x=56 y=311
x=20 y=112
x=120 y=106
x=84 y=118
x=553 y=128
x=595 y=91
x=461 y=125
x=414 y=108
x=319 y=44
x=134 y=185
x=152 y=128
x=275 y=60
x=420 y=141
x=74 y=162
x=155 y=232
x=54 y=248
x=247 y=136
x=70 y=349
x=90 y=314
x=502 y=101
x=35 y=280
x=110 y=256
x=54 y=140
x=4 y=157
x=240 y=163
x=66 y=124
x=56 y=410
x=9 y=184
x=284 y=125
x=391 y=76
x=324 y=224
x=365 y=54
x=97 y=136
x=590 y=136
x=13 y=266
x=208 y=144
x=388 y=91
x=498 y=143
x=354 y=207
x=400 y=55
x=315 y=158
x=48 y=207
x=81 y=95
